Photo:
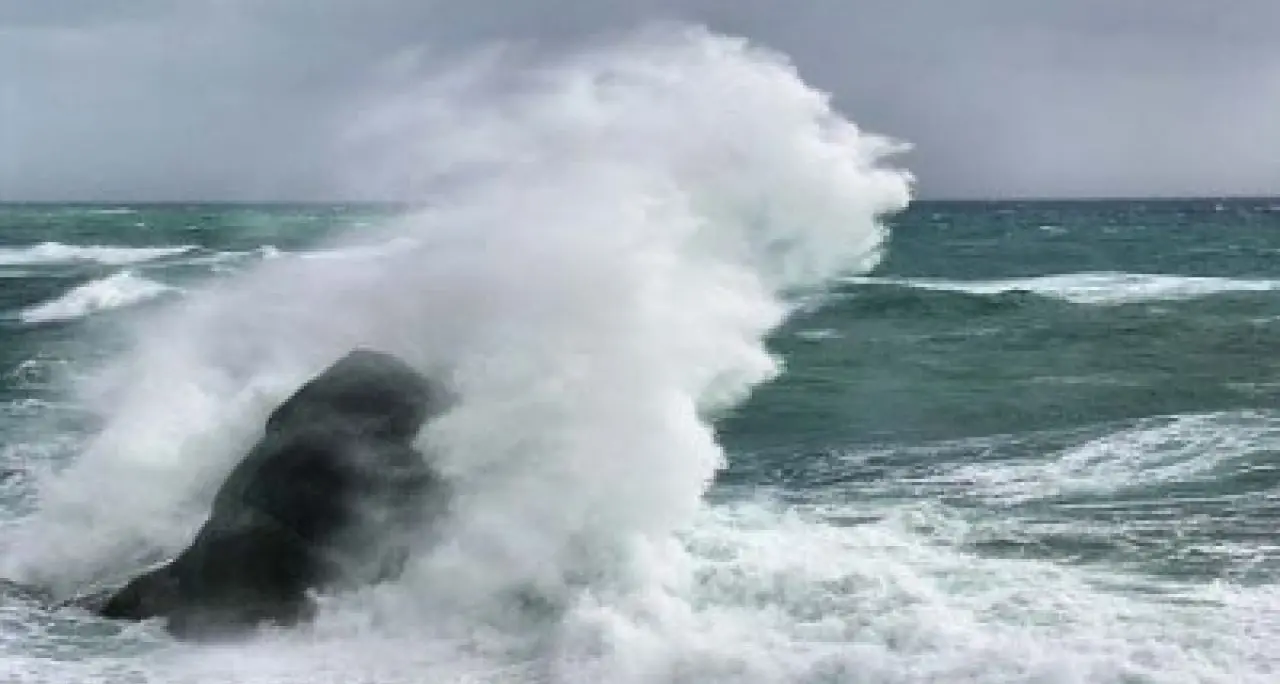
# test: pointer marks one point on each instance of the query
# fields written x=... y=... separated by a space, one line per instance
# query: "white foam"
x=1162 y=449
x=49 y=253
x=231 y=262
x=112 y=292
x=753 y=594
x=792 y=598
x=113 y=211
x=1092 y=288
x=818 y=334
x=600 y=279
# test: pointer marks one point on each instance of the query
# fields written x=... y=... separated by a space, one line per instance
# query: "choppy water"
x=1039 y=443
x=1036 y=443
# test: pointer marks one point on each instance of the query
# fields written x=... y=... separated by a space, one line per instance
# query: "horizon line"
x=387 y=202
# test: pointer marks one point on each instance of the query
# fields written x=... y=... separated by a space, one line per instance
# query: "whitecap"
x=113 y=292
x=1090 y=288
x=51 y=253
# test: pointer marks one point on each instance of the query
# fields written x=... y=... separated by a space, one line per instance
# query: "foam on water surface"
x=1091 y=288
x=116 y=291
x=51 y=253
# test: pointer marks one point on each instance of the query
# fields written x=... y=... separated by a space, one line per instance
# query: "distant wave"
x=47 y=253
x=1150 y=453
x=113 y=211
x=815 y=335
x=1089 y=288
x=113 y=292
x=235 y=261
x=218 y=260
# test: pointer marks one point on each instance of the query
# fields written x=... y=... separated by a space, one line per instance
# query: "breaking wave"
x=611 y=236
x=1089 y=288
x=53 y=253
x=112 y=292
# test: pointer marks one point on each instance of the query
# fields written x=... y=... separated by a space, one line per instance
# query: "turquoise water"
x=1038 y=442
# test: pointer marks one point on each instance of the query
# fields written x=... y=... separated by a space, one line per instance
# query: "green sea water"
x=1039 y=442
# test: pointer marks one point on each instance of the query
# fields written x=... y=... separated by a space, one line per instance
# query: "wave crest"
x=113 y=292
x=1089 y=288
x=53 y=253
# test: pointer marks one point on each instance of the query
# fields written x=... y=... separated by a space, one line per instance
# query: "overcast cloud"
x=240 y=99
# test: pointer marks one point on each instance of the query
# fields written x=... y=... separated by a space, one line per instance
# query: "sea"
x=1038 y=443
x=732 y=403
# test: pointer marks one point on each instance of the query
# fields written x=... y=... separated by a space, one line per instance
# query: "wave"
x=1105 y=288
x=229 y=262
x=52 y=253
x=876 y=299
x=619 y=234
x=113 y=292
x=1148 y=455
x=818 y=334
x=113 y=211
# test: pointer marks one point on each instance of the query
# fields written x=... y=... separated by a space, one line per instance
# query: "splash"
x=609 y=238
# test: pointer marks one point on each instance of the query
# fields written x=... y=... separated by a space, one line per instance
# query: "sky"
x=135 y=100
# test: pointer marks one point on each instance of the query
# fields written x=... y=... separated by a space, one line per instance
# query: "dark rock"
x=333 y=495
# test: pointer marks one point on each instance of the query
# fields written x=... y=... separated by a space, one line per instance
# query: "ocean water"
x=729 y=407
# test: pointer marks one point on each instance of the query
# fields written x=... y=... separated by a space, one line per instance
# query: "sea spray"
x=609 y=236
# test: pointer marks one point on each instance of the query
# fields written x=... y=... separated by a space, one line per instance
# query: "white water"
x=50 y=253
x=1092 y=288
x=597 y=277
x=114 y=211
x=1167 y=449
x=112 y=292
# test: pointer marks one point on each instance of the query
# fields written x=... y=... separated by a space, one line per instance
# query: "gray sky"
x=240 y=99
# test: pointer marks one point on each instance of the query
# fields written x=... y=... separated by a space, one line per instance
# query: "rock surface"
x=333 y=494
